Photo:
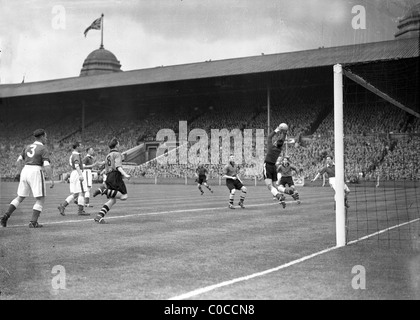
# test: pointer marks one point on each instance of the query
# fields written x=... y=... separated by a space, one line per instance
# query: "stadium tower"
x=100 y=61
x=409 y=25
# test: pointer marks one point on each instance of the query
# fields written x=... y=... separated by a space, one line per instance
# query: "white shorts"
x=77 y=186
x=31 y=179
x=87 y=174
x=332 y=184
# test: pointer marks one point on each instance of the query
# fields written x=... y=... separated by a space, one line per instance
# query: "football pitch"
x=169 y=242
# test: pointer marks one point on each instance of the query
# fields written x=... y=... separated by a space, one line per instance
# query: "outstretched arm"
x=316 y=177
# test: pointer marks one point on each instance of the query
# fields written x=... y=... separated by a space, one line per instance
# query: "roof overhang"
x=351 y=54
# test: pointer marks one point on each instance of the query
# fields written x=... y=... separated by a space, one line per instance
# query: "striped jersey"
x=231 y=169
x=112 y=161
x=35 y=154
x=76 y=158
x=201 y=171
x=286 y=170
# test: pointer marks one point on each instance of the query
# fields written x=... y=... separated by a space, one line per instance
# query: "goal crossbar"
x=372 y=88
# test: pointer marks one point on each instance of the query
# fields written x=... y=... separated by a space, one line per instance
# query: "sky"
x=43 y=39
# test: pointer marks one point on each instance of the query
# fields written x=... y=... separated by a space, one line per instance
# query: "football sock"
x=274 y=191
x=9 y=211
x=231 y=199
x=104 y=210
x=69 y=199
x=81 y=200
x=242 y=197
x=35 y=215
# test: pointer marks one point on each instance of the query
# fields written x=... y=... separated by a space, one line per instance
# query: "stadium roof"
x=322 y=57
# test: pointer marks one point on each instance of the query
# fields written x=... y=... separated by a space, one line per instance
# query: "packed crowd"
x=368 y=147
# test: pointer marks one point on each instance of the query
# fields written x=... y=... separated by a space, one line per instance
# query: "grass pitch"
x=168 y=241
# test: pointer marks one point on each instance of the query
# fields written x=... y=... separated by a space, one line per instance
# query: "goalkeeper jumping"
x=270 y=170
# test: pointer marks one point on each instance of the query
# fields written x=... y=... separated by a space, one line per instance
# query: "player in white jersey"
x=34 y=158
x=78 y=184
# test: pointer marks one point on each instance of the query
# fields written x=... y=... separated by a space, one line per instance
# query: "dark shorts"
x=270 y=171
x=201 y=179
x=114 y=181
x=286 y=180
x=233 y=184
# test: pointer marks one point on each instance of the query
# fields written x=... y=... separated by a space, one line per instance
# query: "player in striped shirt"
x=284 y=172
x=233 y=182
x=78 y=185
x=114 y=184
x=201 y=174
x=34 y=159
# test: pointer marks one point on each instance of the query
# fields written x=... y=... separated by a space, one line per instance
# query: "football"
x=283 y=126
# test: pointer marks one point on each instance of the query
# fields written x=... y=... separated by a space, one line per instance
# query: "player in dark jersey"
x=233 y=182
x=34 y=159
x=115 y=187
x=88 y=165
x=284 y=170
x=201 y=174
x=270 y=170
x=329 y=169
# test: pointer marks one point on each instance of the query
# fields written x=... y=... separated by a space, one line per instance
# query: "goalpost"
x=391 y=213
x=339 y=156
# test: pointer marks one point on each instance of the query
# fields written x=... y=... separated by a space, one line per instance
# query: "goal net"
x=376 y=147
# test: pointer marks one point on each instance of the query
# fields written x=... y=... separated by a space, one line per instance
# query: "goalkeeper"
x=269 y=169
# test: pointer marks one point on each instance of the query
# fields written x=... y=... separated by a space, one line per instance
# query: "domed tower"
x=100 y=61
x=409 y=25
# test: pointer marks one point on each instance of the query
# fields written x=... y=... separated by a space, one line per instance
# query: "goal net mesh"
x=381 y=152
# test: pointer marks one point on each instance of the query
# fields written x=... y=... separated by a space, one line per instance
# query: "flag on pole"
x=96 y=25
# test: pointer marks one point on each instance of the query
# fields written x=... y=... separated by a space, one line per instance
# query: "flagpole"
x=102 y=31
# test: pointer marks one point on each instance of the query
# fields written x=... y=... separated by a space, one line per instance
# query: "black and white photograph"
x=209 y=155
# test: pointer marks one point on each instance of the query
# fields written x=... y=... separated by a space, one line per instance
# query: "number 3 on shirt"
x=32 y=152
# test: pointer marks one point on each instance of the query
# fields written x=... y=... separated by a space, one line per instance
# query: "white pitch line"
x=245 y=278
x=382 y=231
x=283 y=266
x=150 y=214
